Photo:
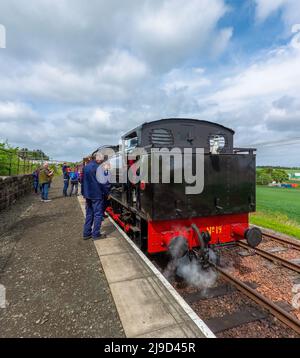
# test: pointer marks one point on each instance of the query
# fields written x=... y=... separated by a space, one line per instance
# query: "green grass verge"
x=277 y=222
x=278 y=209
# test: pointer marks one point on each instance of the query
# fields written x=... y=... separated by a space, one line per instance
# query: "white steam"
x=190 y=269
x=192 y=272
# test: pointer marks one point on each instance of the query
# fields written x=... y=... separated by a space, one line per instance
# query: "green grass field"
x=278 y=209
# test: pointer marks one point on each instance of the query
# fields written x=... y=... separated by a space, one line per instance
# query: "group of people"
x=96 y=192
x=71 y=176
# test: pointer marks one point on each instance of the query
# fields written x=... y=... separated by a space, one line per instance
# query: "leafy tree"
x=263 y=177
x=279 y=175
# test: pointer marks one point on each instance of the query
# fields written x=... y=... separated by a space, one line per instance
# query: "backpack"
x=74 y=177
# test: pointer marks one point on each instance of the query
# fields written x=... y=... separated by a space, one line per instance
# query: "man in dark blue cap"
x=93 y=191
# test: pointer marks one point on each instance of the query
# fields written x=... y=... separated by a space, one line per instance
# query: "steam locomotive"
x=161 y=216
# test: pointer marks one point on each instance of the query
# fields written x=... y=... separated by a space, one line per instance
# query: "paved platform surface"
x=147 y=308
x=55 y=284
x=58 y=285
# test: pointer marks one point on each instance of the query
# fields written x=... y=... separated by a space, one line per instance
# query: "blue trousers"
x=74 y=185
x=44 y=191
x=66 y=185
x=93 y=218
x=36 y=186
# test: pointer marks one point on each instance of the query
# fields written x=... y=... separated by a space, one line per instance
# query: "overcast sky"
x=76 y=74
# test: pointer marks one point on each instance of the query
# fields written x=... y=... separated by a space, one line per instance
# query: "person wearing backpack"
x=74 y=179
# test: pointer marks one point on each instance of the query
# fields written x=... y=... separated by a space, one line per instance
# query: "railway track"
x=263 y=306
x=295 y=245
x=262 y=301
x=272 y=257
x=217 y=325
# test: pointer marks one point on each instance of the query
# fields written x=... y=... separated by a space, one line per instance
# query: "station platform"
x=58 y=285
x=148 y=306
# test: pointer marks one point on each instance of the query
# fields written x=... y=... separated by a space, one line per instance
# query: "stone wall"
x=14 y=187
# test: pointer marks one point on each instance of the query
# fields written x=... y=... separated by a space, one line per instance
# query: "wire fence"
x=13 y=162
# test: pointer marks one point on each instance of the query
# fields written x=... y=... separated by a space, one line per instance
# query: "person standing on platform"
x=74 y=179
x=35 y=175
x=93 y=192
x=64 y=167
x=45 y=176
x=66 y=177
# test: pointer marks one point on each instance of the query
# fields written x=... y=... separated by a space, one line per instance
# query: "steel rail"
x=263 y=301
x=295 y=245
x=290 y=265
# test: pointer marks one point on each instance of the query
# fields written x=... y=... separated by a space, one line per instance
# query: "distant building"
x=295 y=176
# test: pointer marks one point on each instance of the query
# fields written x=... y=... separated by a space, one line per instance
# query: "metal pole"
x=10 y=161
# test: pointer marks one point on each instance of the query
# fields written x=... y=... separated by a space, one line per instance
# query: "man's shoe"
x=101 y=236
x=47 y=201
x=87 y=237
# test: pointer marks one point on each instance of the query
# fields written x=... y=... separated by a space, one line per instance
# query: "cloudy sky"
x=76 y=74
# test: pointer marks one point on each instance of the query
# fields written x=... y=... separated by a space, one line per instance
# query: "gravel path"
x=55 y=285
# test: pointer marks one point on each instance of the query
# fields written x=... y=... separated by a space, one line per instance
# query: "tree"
x=263 y=177
x=279 y=175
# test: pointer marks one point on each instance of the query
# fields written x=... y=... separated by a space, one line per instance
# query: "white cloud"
x=82 y=33
x=11 y=111
x=189 y=80
x=289 y=8
x=112 y=79
x=78 y=74
x=177 y=29
x=122 y=67
x=266 y=7
x=275 y=74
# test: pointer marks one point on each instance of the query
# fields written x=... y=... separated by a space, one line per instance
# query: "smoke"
x=192 y=272
x=189 y=268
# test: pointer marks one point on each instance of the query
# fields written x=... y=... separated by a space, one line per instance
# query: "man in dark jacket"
x=66 y=176
x=93 y=192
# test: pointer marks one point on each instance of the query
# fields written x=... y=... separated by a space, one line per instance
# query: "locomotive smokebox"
x=253 y=237
x=178 y=247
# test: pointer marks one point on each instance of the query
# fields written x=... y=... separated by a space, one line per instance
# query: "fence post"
x=18 y=168
x=10 y=161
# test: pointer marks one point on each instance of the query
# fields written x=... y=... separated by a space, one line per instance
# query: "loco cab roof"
x=180 y=132
x=103 y=147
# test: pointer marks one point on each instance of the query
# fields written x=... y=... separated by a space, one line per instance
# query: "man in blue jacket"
x=93 y=191
x=66 y=176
